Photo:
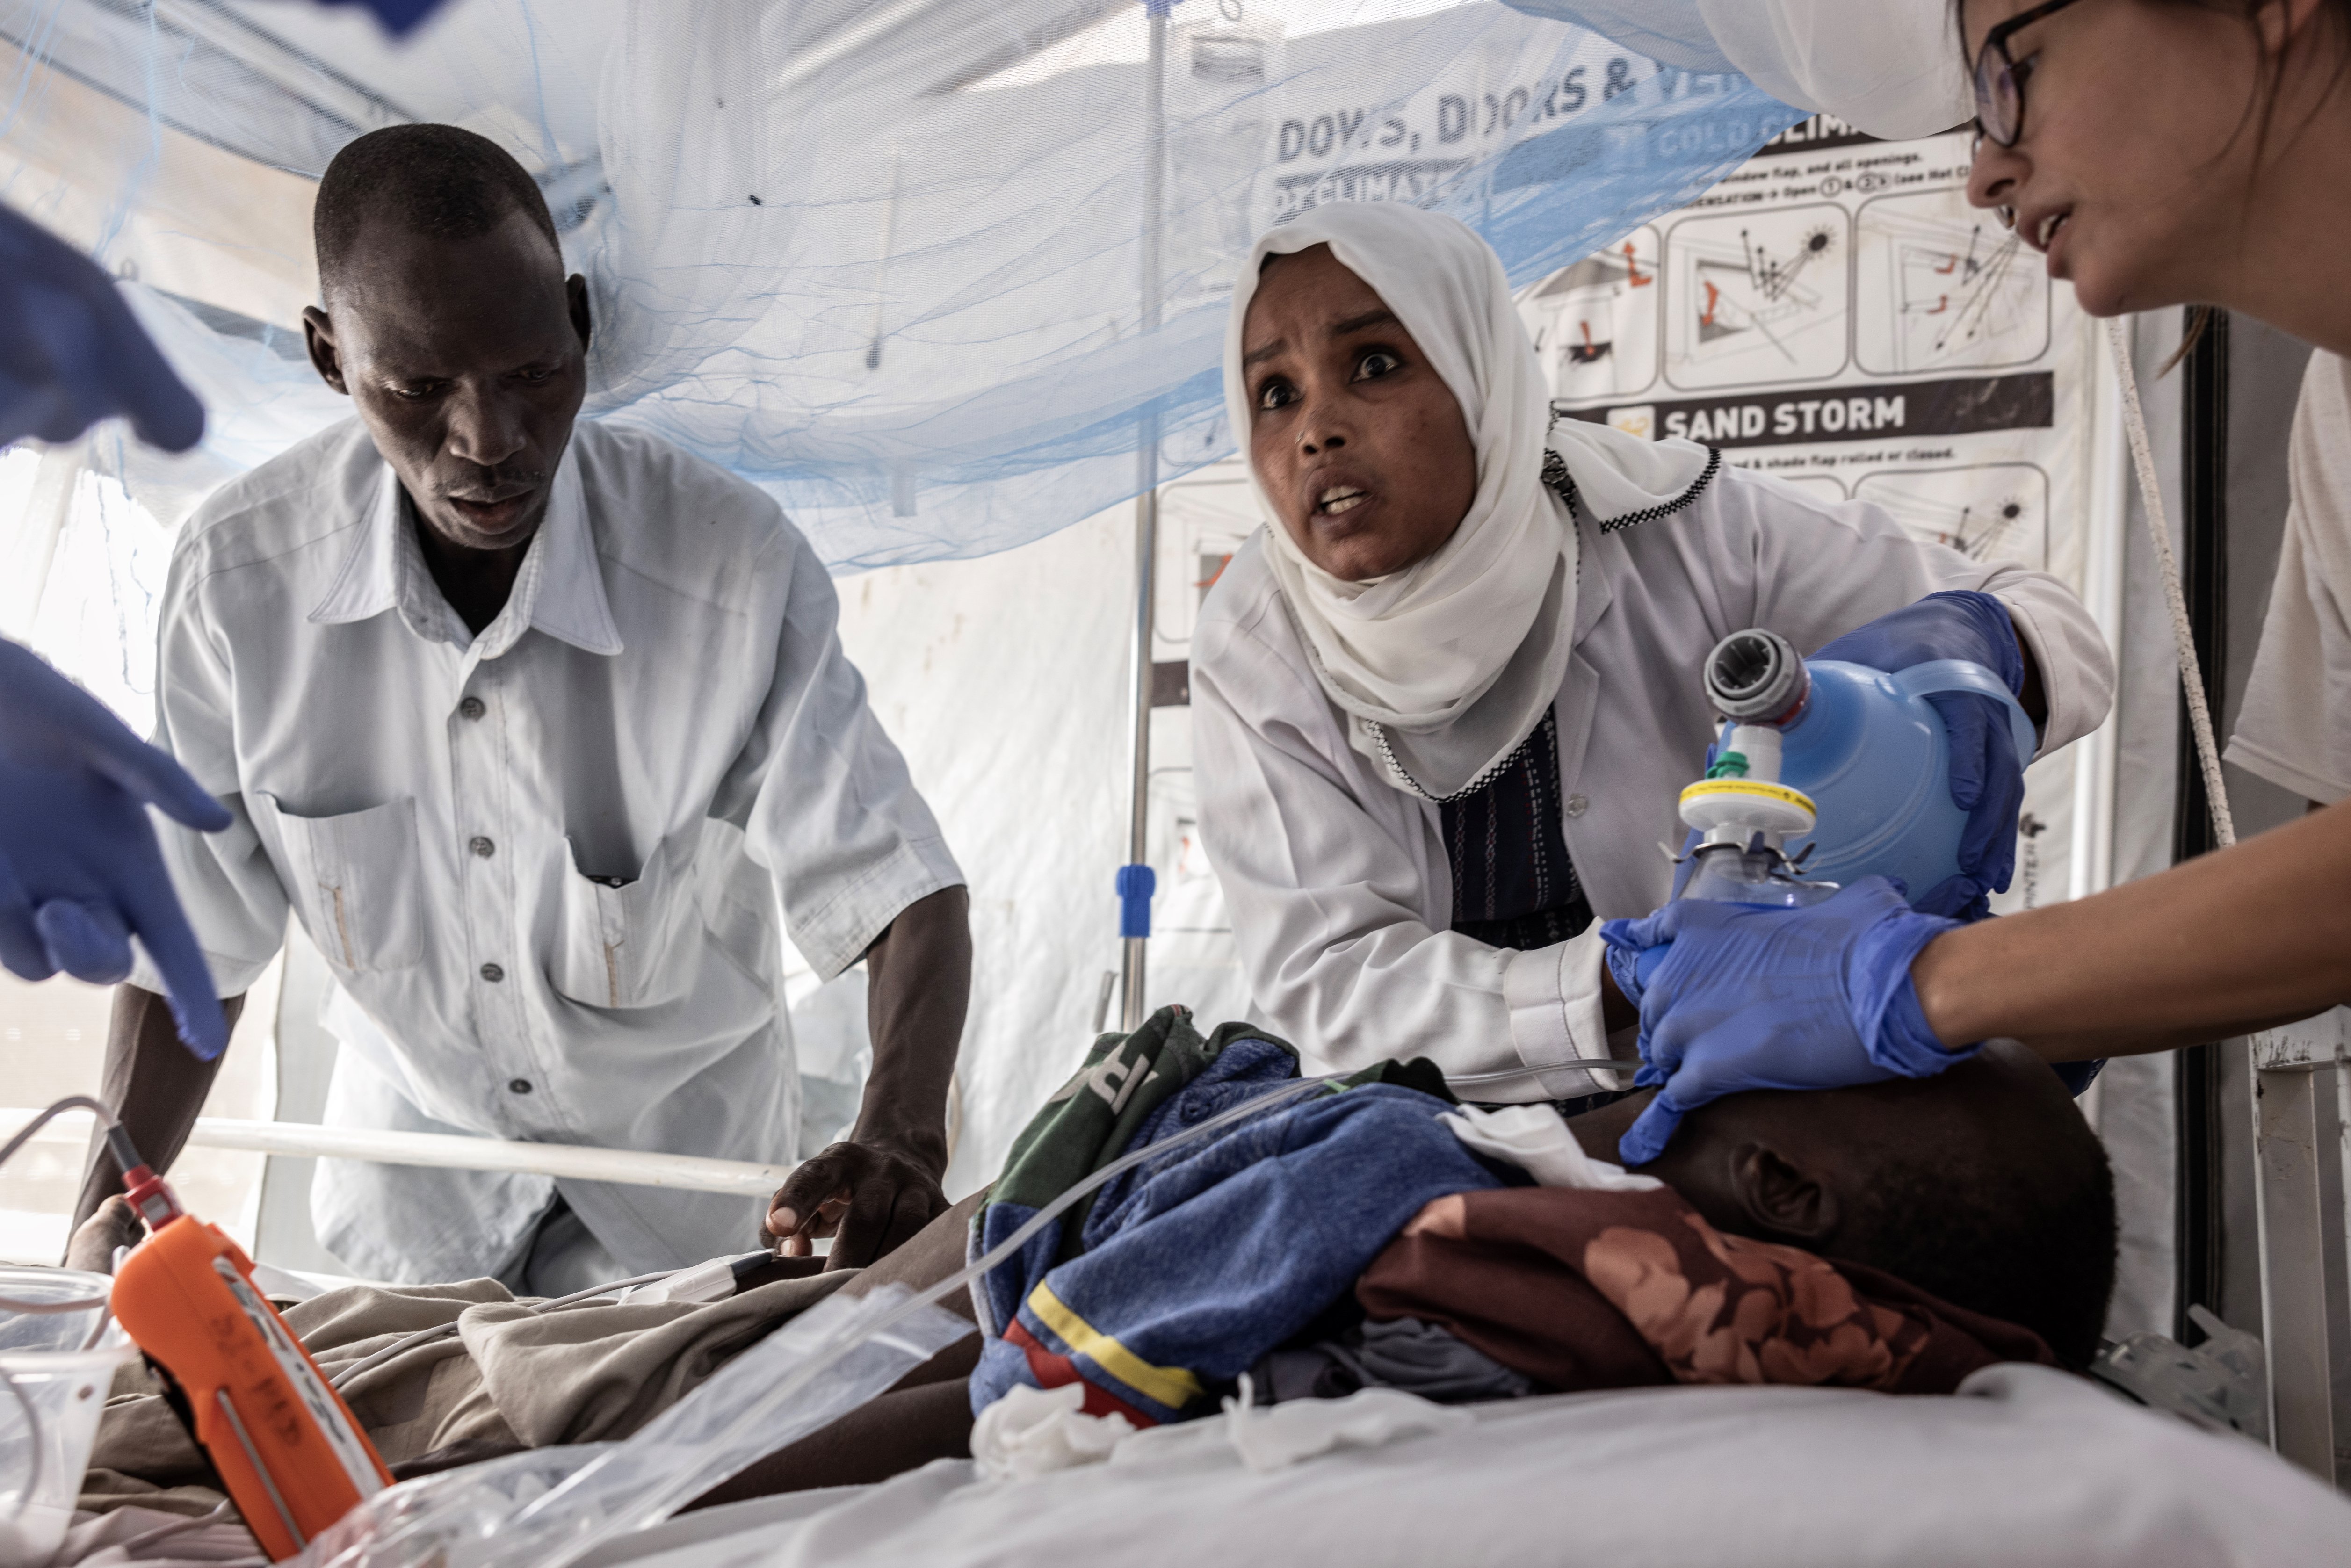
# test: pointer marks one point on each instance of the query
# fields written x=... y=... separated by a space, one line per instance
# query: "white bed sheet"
x=2024 y=1467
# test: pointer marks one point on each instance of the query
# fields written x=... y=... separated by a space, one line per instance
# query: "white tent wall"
x=1005 y=682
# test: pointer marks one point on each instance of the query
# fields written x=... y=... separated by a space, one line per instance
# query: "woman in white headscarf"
x=1445 y=700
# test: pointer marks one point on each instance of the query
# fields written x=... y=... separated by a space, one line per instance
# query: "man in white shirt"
x=539 y=728
x=2292 y=728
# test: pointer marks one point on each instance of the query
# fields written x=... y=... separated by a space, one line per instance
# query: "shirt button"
x=1576 y=805
x=493 y=973
x=484 y=848
x=518 y=1085
x=472 y=707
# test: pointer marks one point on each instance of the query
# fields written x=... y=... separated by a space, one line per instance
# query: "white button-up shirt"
x=1338 y=884
x=547 y=863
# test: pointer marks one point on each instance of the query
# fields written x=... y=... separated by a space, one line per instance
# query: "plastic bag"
x=543 y=1510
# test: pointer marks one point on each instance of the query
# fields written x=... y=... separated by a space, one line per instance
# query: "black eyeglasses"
x=2001 y=77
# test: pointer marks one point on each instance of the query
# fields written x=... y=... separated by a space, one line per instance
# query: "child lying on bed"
x=1354 y=1237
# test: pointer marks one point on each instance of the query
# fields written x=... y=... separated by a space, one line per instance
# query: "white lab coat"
x=1338 y=884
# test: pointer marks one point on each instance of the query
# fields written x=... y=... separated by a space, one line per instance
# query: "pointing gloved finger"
x=88 y=941
x=21 y=952
x=100 y=356
x=161 y=926
x=151 y=775
x=163 y=410
x=1646 y=1139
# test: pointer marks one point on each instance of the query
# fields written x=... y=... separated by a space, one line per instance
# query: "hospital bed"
x=2025 y=1466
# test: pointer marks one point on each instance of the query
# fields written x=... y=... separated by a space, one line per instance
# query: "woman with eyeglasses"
x=2157 y=152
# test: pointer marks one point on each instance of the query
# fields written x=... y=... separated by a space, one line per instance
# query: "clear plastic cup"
x=54 y=1371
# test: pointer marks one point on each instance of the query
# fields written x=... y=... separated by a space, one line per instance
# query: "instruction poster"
x=1837 y=314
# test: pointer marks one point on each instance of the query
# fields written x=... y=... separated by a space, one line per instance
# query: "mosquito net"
x=943 y=276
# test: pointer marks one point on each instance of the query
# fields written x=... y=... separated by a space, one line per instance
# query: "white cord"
x=8 y=1150
x=2183 y=636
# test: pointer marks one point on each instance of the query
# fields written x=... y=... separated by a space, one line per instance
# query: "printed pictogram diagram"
x=1991 y=511
x=1757 y=298
x=1941 y=285
x=1595 y=323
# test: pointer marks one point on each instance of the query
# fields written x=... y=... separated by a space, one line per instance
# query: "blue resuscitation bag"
x=1872 y=753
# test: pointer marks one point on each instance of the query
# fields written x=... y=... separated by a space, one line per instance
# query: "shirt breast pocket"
x=624 y=939
x=356 y=883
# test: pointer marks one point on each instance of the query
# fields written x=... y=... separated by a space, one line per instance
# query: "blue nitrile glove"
x=1622 y=968
x=1986 y=776
x=1752 y=997
x=80 y=872
x=71 y=353
x=397 y=17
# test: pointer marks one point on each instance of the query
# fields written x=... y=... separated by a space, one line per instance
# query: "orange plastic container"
x=283 y=1440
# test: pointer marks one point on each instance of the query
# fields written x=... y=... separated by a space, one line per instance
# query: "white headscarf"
x=1446 y=667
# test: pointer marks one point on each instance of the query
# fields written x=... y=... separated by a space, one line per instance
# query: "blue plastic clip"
x=1136 y=883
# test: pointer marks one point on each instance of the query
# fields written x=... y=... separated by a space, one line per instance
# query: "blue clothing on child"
x=1186 y=1270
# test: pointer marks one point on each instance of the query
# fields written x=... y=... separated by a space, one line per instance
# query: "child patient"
x=1898 y=1235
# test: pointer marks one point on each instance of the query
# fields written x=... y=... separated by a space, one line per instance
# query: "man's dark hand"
x=873 y=1192
x=869 y=1197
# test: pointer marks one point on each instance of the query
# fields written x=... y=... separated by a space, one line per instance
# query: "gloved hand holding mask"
x=1987 y=775
x=1751 y=996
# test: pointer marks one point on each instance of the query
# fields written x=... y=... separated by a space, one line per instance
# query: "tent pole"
x=1135 y=878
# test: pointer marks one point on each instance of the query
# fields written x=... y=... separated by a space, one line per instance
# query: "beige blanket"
x=582 y=1374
